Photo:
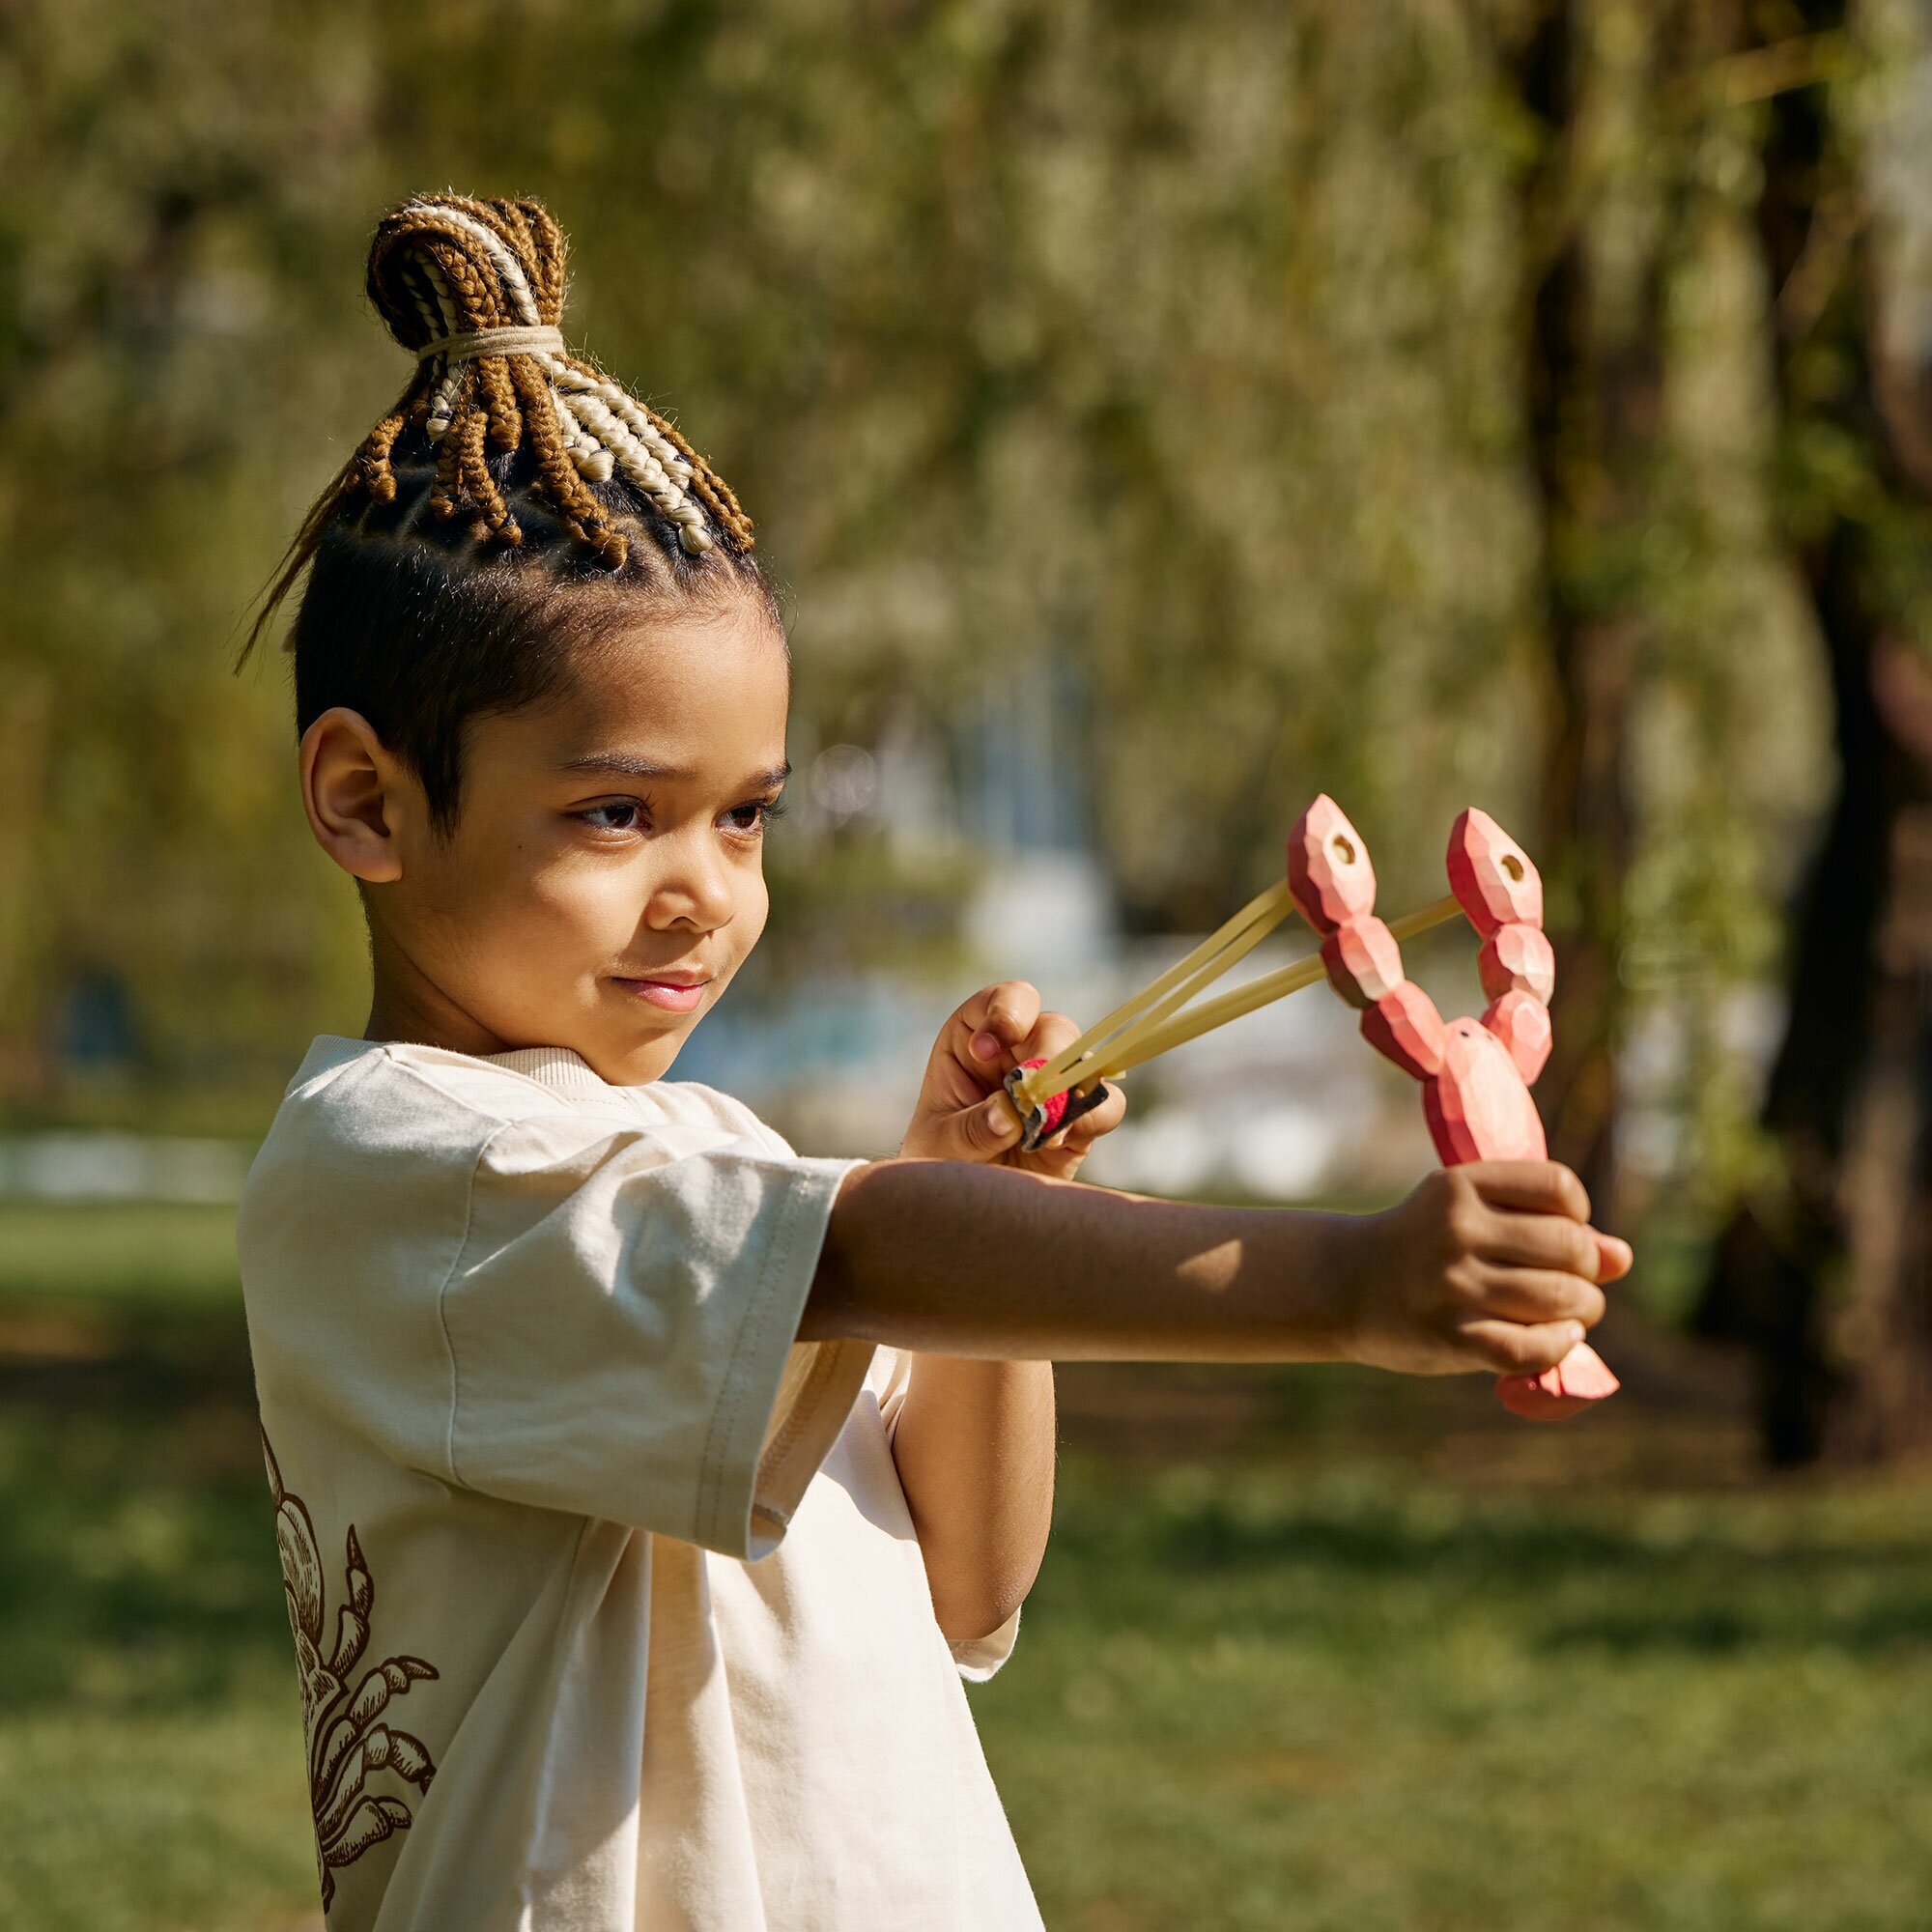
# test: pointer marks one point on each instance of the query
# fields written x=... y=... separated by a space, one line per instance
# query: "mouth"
x=669 y=993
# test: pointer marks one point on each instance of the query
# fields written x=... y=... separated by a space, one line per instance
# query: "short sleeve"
x=889 y=1378
x=623 y=1320
x=979 y=1659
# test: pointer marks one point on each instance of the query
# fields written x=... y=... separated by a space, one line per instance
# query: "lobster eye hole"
x=1512 y=866
x=1343 y=849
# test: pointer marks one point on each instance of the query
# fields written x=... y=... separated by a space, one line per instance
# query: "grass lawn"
x=1311 y=1650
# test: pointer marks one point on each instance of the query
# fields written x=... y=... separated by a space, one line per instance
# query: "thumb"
x=976 y=1132
x=1613 y=1257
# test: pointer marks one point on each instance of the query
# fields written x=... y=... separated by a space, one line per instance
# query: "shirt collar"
x=554 y=1066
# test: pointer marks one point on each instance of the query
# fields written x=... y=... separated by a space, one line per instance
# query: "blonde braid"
x=717 y=494
x=443 y=499
x=443 y=320
x=609 y=412
x=586 y=518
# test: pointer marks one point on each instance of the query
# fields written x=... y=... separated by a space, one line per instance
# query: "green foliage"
x=1179 y=349
x=1187 y=349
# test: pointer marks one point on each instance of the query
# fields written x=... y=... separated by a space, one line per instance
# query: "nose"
x=695 y=887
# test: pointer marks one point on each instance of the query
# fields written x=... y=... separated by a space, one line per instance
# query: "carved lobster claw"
x=1475 y=1074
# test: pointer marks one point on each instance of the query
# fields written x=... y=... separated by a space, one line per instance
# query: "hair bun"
x=475 y=291
x=446 y=264
x=446 y=267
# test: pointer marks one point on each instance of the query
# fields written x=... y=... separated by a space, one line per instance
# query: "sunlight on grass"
x=1351 y=1699
x=119 y=1250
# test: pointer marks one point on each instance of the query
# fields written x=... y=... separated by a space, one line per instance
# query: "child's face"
x=605 y=879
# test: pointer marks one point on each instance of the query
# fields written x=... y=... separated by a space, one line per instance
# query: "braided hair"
x=512 y=502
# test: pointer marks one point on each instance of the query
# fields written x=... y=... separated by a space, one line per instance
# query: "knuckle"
x=1013 y=1002
x=1465 y=1290
x=1464 y=1222
x=1571 y=1191
x=1498 y=1347
x=1549 y=1296
x=1053 y=1031
x=1519 y=1352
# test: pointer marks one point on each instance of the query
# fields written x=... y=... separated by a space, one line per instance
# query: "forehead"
x=704 y=691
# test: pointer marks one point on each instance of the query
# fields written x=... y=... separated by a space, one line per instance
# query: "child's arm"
x=975 y=1447
x=1485 y=1266
x=974 y=1444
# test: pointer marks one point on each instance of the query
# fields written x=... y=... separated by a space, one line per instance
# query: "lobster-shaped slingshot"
x=1475 y=1074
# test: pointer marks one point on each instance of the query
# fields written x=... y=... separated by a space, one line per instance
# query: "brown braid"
x=584 y=516
x=603 y=463
x=506 y=419
x=372 y=460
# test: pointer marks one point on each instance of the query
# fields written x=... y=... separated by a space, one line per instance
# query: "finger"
x=1541 y=1242
x=1103 y=1119
x=1047 y=1035
x=1615 y=1256
x=1535 y=1186
x=1514 y=1348
x=995 y=1021
x=1537 y=1295
x=977 y=1132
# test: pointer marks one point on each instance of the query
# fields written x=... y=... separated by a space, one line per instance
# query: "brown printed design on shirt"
x=345 y=1740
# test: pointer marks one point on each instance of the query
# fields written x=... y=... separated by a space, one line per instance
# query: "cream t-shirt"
x=607 y=1608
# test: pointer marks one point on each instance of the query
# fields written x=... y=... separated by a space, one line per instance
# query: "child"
x=644 y=1490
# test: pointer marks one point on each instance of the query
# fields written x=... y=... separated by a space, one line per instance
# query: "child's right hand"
x=1488 y=1266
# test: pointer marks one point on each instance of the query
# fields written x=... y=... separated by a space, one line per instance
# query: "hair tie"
x=516 y=340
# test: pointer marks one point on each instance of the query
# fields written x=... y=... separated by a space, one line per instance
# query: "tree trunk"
x=1825 y=1273
x=1595 y=396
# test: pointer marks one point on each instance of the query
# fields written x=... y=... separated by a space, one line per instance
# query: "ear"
x=352 y=788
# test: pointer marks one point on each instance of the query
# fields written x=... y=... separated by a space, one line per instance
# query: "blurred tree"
x=1185 y=350
x=1592 y=81
x=1642 y=590
x=161 y=163
x=1823 y=1270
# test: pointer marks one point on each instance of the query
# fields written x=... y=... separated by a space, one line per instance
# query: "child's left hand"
x=963 y=1113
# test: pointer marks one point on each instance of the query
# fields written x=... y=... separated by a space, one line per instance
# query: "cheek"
x=753 y=910
x=550 y=911
x=578 y=906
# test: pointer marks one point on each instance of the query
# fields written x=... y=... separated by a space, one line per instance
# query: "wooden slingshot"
x=1475 y=1074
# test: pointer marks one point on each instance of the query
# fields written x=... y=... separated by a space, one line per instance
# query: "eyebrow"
x=620 y=764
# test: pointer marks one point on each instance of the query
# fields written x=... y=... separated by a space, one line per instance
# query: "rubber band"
x=517 y=340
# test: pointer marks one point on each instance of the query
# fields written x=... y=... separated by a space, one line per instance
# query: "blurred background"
x=1156 y=416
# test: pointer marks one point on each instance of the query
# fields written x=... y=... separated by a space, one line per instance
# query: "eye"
x=618 y=814
x=754 y=816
